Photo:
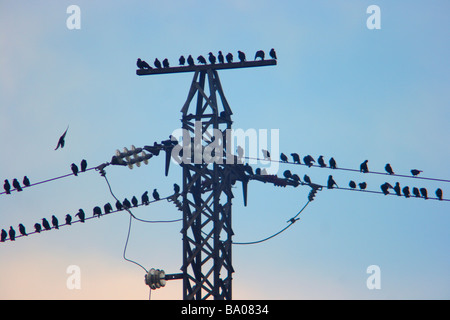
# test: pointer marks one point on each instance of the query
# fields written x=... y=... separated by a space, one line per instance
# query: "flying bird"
x=7 y=187
x=4 y=235
x=157 y=63
x=108 y=208
x=22 y=230
x=166 y=63
x=273 y=54
x=141 y=64
x=55 y=222
x=37 y=227
x=45 y=224
x=415 y=172
x=176 y=188
x=295 y=157
x=26 y=181
x=74 y=169
x=97 y=211
x=331 y=183
x=190 y=61
x=68 y=219
x=321 y=162
x=416 y=192
x=155 y=195
x=439 y=193
x=283 y=157
x=81 y=215
x=182 y=61
x=212 y=58
x=16 y=185
x=229 y=57
x=308 y=160
x=424 y=193
x=363 y=167
x=332 y=163
x=406 y=192
x=12 y=234
x=259 y=54
x=388 y=169
x=134 y=201
x=362 y=185
x=352 y=184
x=220 y=57
x=397 y=189
x=83 y=165
x=241 y=56
x=61 y=141
x=201 y=59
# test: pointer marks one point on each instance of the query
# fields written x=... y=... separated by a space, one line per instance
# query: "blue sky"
x=339 y=89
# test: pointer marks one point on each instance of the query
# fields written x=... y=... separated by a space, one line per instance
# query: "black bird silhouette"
x=439 y=193
x=182 y=61
x=83 y=165
x=283 y=157
x=26 y=181
x=266 y=154
x=176 y=188
x=55 y=222
x=388 y=169
x=145 y=199
x=241 y=56
x=7 y=187
x=220 y=57
x=416 y=192
x=68 y=219
x=295 y=157
x=229 y=57
x=287 y=174
x=273 y=54
x=307 y=179
x=397 y=189
x=134 y=201
x=22 y=230
x=119 y=205
x=308 y=160
x=62 y=141
x=12 y=234
x=362 y=185
x=141 y=64
x=157 y=63
x=295 y=177
x=321 y=162
x=259 y=54
x=415 y=172
x=155 y=195
x=331 y=183
x=201 y=59
x=16 y=185
x=37 y=227
x=385 y=188
x=406 y=192
x=74 y=169
x=332 y=163
x=190 y=61
x=126 y=203
x=363 y=167
x=166 y=63
x=97 y=211
x=4 y=235
x=81 y=215
x=211 y=58
x=352 y=184
x=108 y=208
x=424 y=193
x=45 y=224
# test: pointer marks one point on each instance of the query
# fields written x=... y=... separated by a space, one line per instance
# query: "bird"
x=141 y=64
x=287 y=174
x=22 y=230
x=331 y=183
x=45 y=224
x=7 y=187
x=134 y=201
x=157 y=63
x=308 y=160
x=424 y=193
x=259 y=54
x=406 y=192
x=126 y=203
x=176 y=188
x=385 y=188
x=273 y=54
x=416 y=192
x=166 y=63
x=307 y=179
x=241 y=56
x=37 y=227
x=388 y=169
x=155 y=195
x=26 y=181
x=363 y=167
x=229 y=57
x=182 y=60
x=108 y=208
x=266 y=154
x=16 y=185
x=439 y=193
x=12 y=234
x=97 y=211
x=295 y=177
x=212 y=58
x=295 y=157
x=321 y=162
x=362 y=185
x=283 y=157
x=68 y=219
x=190 y=61
x=4 y=235
x=332 y=163
x=220 y=57
x=352 y=184
x=83 y=165
x=62 y=141
x=81 y=215
x=74 y=169
x=201 y=59
x=415 y=172
x=397 y=189
x=55 y=222
x=119 y=205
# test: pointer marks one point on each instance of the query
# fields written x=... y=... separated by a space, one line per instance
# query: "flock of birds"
x=141 y=64
x=45 y=224
x=309 y=161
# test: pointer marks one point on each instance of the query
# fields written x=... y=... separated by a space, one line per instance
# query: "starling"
x=331 y=183
x=61 y=141
x=385 y=188
x=287 y=174
x=166 y=63
x=26 y=181
x=397 y=189
x=220 y=57
x=306 y=179
x=97 y=211
x=182 y=61
x=308 y=160
x=332 y=163
x=83 y=165
x=37 y=227
x=55 y=222
x=363 y=167
x=126 y=204
x=74 y=169
x=212 y=58
x=201 y=59
x=145 y=199
x=134 y=201
x=416 y=192
x=388 y=169
x=16 y=185
x=81 y=215
x=119 y=205
x=241 y=56
x=176 y=188
x=157 y=64
x=406 y=192
x=7 y=187
x=190 y=61
x=68 y=219
x=4 y=235
x=283 y=158
x=273 y=54
x=141 y=64
x=229 y=57
x=259 y=54
x=12 y=234
x=362 y=185
x=424 y=193
x=439 y=193
x=155 y=195
x=45 y=224
x=108 y=208
x=415 y=172
x=22 y=230
x=295 y=157
x=266 y=154
x=321 y=162
x=352 y=184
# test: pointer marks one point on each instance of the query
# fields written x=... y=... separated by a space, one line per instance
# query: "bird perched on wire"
x=406 y=192
x=22 y=230
x=55 y=222
x=397 y=189
x=166 y=63
x=190 y=61
x=81 y=215
x=229 y=57
x=388 y=169
x=134 y=201
x=273 y=54
x=241 y=56
x=220 y=57
x=141 y=64
x=364 y=167
x=259 y=54
x=97 y=211
x=83 y=165
x=37 y=227
x=385 y=188
x=352 y=184
x=4 y=235
x=295 y=157
x=308 y=160
x=212 y=58
x=201 y=59
x=287 y=174
x=416 y=192
x=62 y=141
x=176 y=188
x=75 y=169
x=362 y=185
x=332 y=163
x=45 y=224
x=119 y=205
x=68 y=219
x=424 y=193
x=182 y=60
x=307 y=179
x=126 y=203
x=16 y=185
x=266 y=154
x=26 y=181
x=439 y=193
x=155 y=194
x=7 y=187
x=331 y=183
x=321 y=162
x=283 y=157
x=145 y=199
x=107 y=208
x=12 y=234
x=157 y=63
x=415 y=172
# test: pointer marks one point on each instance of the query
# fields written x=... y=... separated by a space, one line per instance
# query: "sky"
x=339 y=89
